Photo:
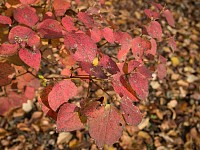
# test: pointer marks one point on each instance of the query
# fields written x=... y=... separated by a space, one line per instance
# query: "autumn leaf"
x=131 y=113
x=86 y=19
x=6 y=73
x=27 y=2
x=5 y=20
x=31 y=58
x=26 y=15
x=107 y=126
x=154 y=29
x=50 y=29
x=68 y=23
x=60 y=7
x=7 y=49
x=169 y=17
x=23 y=35
x=61 y=93
x=108 y=35
x=68 y=118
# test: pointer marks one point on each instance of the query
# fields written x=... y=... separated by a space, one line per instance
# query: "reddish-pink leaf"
x=29 y=92
x=61 y=93
x=169 y=17
x=131 y=113
x=161 y=70
x=27 y=2
x=172 y=43
x=108 y=64
x=22 y=35
x=152 y=14
x=96 y=71
x=107 y=126
x=162 y=59
x=92 y=109
x=108 y=35
x=5 y=20
x=7 y=49
x=121 y=87
x=96 y=35
x=6 y=73
x=60 y=7
x=124 y=39
x=12 y=101
x=153 y=49
x=139 y=46
x=26 y=15
x=132 y=65
x=86 y=19
x=68 y=119
x=68 y=23
x=139 y=83
x=86 y=49
x=50 y=29
x=154 y=29
x=144 y=71
x=31 y=58
x=44 y=95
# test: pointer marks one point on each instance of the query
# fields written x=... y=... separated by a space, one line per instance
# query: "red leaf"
x=22 y=35
x=139 y=83
x=29 y=92
x=68 y=23
x=5 y=20
x=27 y=2
x=108 y=35
x=96 y=35
x=152 y=14
x=12 y=101
x=7 y=49
x=122 y=88
x=124 y=39
x=130 y=112
x=162 y=59
x=139 y=46
x=169 y=17
x=31 y=58
x=93 y=70
x=86 y=19
x=61 y=93
x=172 y=43
x=26 y=15
x=50 y=29
x=144 y=71
x=86 y=49
x=91 y=109
x=6 y=73
x=153 y=49
x=60 y=7
x=107 y=127
x=68 y=119
x=132 y=65
x=108 y=64
x=162 y=71
x=154 y=30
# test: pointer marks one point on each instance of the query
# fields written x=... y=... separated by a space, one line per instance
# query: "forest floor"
x=171 y=113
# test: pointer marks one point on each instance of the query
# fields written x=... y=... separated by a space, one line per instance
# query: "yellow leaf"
x=95 y=62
